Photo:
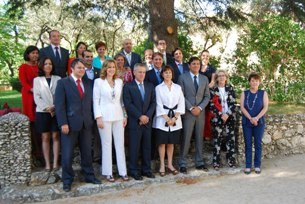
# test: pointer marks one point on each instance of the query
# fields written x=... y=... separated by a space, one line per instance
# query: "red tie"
x=79 y=87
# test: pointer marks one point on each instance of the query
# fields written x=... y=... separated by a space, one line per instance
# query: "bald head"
x=127 y=45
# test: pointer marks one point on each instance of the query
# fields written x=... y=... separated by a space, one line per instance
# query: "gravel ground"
x=282 y=181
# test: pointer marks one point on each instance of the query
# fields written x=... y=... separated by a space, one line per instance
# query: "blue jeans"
x=257 y=132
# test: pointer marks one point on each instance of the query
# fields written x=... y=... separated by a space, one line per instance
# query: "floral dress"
x=223 y=102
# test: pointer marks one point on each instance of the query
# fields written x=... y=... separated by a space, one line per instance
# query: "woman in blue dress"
x=254 y=105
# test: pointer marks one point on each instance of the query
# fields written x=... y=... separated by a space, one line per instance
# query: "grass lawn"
x=13 y=98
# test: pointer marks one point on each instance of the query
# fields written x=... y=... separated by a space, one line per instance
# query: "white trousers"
x=116 y=129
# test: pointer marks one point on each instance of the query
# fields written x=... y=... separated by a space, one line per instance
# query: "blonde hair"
x=103 y=74
x=222 y=71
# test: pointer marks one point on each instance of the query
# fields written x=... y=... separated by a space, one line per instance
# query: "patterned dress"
x=219 y=103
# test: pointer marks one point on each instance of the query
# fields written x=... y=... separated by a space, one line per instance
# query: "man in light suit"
x=73 y=102
x=59 y=55
x=131 y=57
x=140 y=103
x=197 y=95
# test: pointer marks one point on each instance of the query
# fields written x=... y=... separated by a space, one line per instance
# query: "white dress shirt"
x=108 y=101
x=169 y=98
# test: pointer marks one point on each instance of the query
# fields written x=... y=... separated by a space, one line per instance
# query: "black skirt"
x=164 y=137
x=45 y=123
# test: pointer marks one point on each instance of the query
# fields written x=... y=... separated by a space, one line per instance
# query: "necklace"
x=112 y=86
x=253 y=102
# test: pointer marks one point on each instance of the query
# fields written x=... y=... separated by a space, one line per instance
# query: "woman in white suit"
x=111 y=118
x=46 y=124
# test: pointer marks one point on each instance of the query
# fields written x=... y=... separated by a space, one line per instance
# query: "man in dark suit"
x=131 y=57
x=91 y=74
x=59 y=55
x=73 y=102
x=154 y=75
x=178 y=65
x=167 y=57
x=140 y=103
x=195 y=87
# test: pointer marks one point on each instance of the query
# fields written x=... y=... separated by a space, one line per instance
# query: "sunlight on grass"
x=13 y=98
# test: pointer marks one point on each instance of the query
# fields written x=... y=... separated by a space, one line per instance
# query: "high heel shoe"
x=172 y=171
x=110 y=178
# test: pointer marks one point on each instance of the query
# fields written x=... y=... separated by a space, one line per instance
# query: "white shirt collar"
x=138 y=83
x=192 y=75
x=126 y=53
x=53 y=47
x=74 y=78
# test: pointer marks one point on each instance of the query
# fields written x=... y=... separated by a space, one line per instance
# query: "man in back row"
x=131 y=57
x=59 y=55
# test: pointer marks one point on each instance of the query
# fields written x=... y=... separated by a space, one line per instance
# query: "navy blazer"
x=70 y=108
x=169 y=59
x=135 y=58
x=134 y=104
x=176 y=70
x=96 y=73
x=152 y=77
x=60 y=69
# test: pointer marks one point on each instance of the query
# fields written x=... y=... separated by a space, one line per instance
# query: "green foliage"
x=15 y=83
x=10 y=44
x=141 y=47
x=186 y=44
x=12 y=98
x=275 y=48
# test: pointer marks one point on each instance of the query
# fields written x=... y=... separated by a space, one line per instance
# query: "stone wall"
x=284 y=135
x=15 y=149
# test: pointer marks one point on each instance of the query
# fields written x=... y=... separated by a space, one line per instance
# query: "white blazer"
x=108 y=103
x=44 y=95
x=169 y=98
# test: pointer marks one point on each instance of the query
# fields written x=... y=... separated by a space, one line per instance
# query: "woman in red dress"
x=27 y=72
x=79 y=49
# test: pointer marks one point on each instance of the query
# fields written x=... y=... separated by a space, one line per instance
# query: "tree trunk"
x=163 y=23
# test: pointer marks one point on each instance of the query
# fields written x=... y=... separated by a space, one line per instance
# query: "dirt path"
x=282 y=181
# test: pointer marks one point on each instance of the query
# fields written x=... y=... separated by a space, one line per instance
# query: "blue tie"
x=57 y=56
x=141 y=88
x=195 y=83
x=158 y=77
x=180 y=67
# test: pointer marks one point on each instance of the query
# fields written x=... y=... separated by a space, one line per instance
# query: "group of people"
x=162 y=102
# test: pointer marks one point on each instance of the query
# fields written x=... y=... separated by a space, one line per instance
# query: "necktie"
x=164 y=59
x=141 y=87
x=80 y=89
x=128 y=56
x=180 y=67
x=195 y=83
x=57 y=56
x=158 y=77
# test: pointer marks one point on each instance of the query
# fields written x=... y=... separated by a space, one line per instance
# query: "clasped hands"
x=196 y=111
x=143 y=120
x=254 y=121
x=50 y=110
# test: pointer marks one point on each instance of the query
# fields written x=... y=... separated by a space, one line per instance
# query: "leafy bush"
x=15 y=83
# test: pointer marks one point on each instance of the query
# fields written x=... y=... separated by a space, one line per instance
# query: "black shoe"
x=66 y=187
x=94 y=181
x=202 y=167
x=148 y=175
x=183 y=170
x=137 y=177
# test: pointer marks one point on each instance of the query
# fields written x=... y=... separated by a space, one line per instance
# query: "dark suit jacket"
x=134 y=104
x=60 y=68
x=70 y=108
x=152 y=77
x=96 y=74
x=169 y=59
x=135 y=58
x=176 y=70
